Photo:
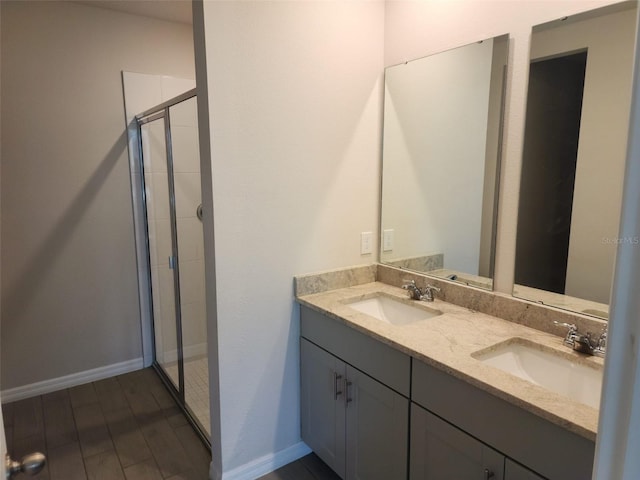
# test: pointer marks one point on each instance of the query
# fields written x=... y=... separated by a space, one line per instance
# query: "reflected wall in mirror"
x=441 y=160
x=574 y=154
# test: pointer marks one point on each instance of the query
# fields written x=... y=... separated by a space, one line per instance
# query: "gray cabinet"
x=322 y=413
x=377 y=429
x=542 y=446
x=355 y=394
x=357 y=425
x=440 y=451
x=514 y=471
x=382 y=362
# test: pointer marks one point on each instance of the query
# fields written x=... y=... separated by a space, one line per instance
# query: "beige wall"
x=69 y=285
x=295 y=106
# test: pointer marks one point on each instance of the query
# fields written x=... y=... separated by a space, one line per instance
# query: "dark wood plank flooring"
x=309 y=467
x=121 y=428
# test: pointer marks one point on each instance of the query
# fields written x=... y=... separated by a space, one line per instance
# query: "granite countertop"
x=448 y=341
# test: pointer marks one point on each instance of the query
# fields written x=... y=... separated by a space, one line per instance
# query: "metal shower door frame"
x=156 y=113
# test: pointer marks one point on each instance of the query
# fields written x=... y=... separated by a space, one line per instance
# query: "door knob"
x=31 y=464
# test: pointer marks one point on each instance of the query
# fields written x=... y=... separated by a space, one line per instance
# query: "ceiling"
x=172 y=10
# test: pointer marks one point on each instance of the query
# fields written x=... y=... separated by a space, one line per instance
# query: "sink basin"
x=547 y=368
x=393 y=311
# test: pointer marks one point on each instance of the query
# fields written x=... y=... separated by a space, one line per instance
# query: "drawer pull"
x=347 y=398
x=488 y=474
x=336 y=392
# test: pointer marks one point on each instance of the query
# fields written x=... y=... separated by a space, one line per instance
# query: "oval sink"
x=547 y=368
x=393 y=311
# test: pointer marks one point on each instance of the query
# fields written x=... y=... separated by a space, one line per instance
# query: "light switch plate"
x=366 y=243
x=387 y=240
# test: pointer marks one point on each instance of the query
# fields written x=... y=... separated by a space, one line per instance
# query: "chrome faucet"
x=584 y=343
x=415 y=293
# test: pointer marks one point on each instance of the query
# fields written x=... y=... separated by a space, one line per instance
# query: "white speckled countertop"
x=448 y=341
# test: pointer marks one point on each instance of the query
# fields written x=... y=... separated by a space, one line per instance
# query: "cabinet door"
x=515 y=471
x=322 y=414
x=377 y=429
x=440 y=451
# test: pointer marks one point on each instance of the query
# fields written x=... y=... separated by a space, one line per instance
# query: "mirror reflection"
x=441 y=160
x=578 y=107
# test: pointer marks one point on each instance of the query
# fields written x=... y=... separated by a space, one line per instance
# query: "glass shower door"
x=186 y=177
x=171 y=165
x=161 y=256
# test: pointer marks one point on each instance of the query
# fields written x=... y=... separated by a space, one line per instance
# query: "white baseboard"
x=147 y=361
x=268 y=463
x=73 y=380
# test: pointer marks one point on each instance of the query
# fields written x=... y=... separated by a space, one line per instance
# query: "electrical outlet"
x=387 y=240
x=366 y=243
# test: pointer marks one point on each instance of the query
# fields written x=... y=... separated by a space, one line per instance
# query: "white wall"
x=295 y=106
x=602 y=145
x=69 y=286
x=417 y=28
x=434 y=143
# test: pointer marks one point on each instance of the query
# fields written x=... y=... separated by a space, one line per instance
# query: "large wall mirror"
x=573 y=164
x=441 y=159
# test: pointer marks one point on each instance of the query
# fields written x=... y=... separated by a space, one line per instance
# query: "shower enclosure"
x=170 y=185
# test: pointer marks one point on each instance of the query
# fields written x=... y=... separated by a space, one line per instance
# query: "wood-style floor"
x=307 y=468
x=122 y=428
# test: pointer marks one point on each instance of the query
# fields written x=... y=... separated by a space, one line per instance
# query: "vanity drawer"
x=380 y=361
x=542 y=446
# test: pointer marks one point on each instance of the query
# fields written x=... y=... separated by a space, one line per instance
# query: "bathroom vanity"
x=417 y=400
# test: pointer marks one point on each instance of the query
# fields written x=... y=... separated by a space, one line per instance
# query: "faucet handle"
x=414 y=291
x=572 y=333
x=428 y=295
x=602 y=341
x=571 y=326
x=601 y=347
x=409 y=284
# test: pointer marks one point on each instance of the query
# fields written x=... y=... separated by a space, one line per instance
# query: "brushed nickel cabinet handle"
x=336 y=392
x=347 y=398
x=488 y=474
